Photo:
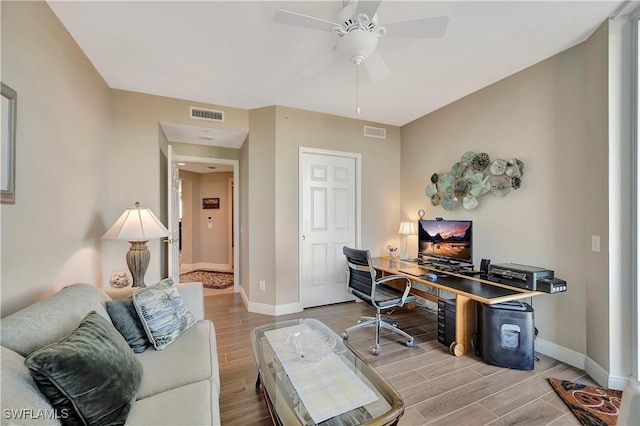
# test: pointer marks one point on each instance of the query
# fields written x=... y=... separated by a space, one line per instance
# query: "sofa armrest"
x=192 y=294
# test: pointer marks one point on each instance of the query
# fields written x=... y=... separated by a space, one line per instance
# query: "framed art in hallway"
x=8 y=147
x=211 y=203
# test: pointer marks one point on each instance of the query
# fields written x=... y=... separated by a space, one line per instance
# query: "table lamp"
x=406 y=229
x=137 y=225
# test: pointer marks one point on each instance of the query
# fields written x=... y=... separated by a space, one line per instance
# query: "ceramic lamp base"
x=138 y=258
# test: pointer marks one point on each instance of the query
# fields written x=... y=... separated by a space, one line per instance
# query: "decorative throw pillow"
x=125 y=319
x=92 y=374
x=163 y=313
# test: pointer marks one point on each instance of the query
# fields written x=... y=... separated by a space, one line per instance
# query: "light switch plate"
x=595 y=243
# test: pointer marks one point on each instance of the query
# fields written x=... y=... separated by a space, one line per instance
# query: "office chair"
x=363 y=284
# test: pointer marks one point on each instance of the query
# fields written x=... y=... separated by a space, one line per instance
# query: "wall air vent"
x=206 y=114
x=375 y=132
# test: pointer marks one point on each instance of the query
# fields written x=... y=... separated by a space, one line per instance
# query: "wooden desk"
x=468 y=291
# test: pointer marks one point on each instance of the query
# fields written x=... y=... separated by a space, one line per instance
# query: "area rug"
x=209 y=279
x=592 y=405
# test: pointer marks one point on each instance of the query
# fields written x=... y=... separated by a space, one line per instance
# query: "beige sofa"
x=180 y=384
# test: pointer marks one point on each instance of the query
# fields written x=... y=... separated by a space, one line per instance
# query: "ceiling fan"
x=358 y=33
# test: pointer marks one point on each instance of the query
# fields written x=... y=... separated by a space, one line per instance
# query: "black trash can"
x=508 y=331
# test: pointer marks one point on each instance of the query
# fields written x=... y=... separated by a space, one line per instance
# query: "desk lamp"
x=406 y=229
x=137 y=225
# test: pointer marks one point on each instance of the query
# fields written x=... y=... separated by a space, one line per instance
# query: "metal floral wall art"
x=473 y=176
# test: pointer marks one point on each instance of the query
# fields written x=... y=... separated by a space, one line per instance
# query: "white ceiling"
x=205 y=168
x=231 y=53
x=203 y=135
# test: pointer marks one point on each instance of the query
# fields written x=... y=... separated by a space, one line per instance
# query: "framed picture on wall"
x=211 y=203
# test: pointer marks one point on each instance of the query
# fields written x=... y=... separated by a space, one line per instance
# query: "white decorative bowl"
x=311 y=345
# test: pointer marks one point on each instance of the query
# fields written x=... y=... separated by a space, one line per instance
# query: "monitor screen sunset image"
x=447 y=239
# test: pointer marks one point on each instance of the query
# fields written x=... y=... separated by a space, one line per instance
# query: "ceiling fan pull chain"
x=357 y=88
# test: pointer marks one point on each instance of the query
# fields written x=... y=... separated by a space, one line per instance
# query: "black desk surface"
x=471 y=287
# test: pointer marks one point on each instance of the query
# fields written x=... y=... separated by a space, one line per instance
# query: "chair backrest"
x=361 y=271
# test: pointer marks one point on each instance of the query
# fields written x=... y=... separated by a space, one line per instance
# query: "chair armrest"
x=192 y=294
x=382 y=280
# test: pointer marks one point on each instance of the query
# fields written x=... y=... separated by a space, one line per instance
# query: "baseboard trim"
x=555 y=351
x=203 y=265
x=267 y=309
x=583 y=362
x=597 y=373
x=603 y=377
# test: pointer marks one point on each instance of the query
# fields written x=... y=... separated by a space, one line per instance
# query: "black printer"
x=517 y=275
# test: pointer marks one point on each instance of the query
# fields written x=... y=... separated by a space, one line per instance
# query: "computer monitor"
x=448 y=240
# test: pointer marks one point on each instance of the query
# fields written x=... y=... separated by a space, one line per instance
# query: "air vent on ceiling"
x=375 y=132
x=206 y=114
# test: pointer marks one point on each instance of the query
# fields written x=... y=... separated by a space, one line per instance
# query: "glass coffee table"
x=339 y=389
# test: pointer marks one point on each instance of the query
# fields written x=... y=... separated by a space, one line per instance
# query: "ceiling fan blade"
x=300 y=20
x=368 y=7
x=418 y=28
x=376 y=66
x=319 y=63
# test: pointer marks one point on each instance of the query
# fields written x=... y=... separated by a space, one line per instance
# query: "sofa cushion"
x=191 y=358
x=125 y=319
x=51 y=319
x=21 y=400
x=92 y=373
x=163 y=313
x=194 y=404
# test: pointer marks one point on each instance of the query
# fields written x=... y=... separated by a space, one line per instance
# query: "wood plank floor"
x=437 y=388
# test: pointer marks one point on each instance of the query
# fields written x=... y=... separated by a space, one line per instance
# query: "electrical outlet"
x=262 y=285
x=595 y=243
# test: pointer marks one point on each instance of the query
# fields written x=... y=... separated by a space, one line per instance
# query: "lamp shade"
x=136 y=224
x=407 y=228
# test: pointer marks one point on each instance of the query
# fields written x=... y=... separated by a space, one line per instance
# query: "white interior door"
x=173 y=217
x=328 y=197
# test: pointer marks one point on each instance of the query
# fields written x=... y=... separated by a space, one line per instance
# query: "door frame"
x=302 y=151
x=236 y=211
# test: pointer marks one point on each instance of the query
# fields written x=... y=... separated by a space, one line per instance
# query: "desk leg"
x=465 y=325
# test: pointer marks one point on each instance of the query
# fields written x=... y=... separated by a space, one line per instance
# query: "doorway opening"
x=208 y=218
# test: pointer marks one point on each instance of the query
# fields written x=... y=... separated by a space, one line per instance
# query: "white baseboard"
x=583 y=362
x=267 y=309
x=597 y=373
x=203 y=265
x=568 y=356
x=618 y=382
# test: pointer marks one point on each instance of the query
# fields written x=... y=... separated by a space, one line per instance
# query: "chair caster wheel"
x=410 y=343
x=345 y=336
x=376 y=351
x=456 y=349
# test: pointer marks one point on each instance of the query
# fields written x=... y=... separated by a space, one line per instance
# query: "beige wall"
x=596 y=207
x=552 y=116
x=201 y=244
x=189 y=188
x=134 y=151
x=51 y=235
x=260 y=220
x=214 y=243
x=380 y=183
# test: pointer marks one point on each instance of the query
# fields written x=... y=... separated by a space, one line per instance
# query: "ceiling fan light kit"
x=358 y=45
